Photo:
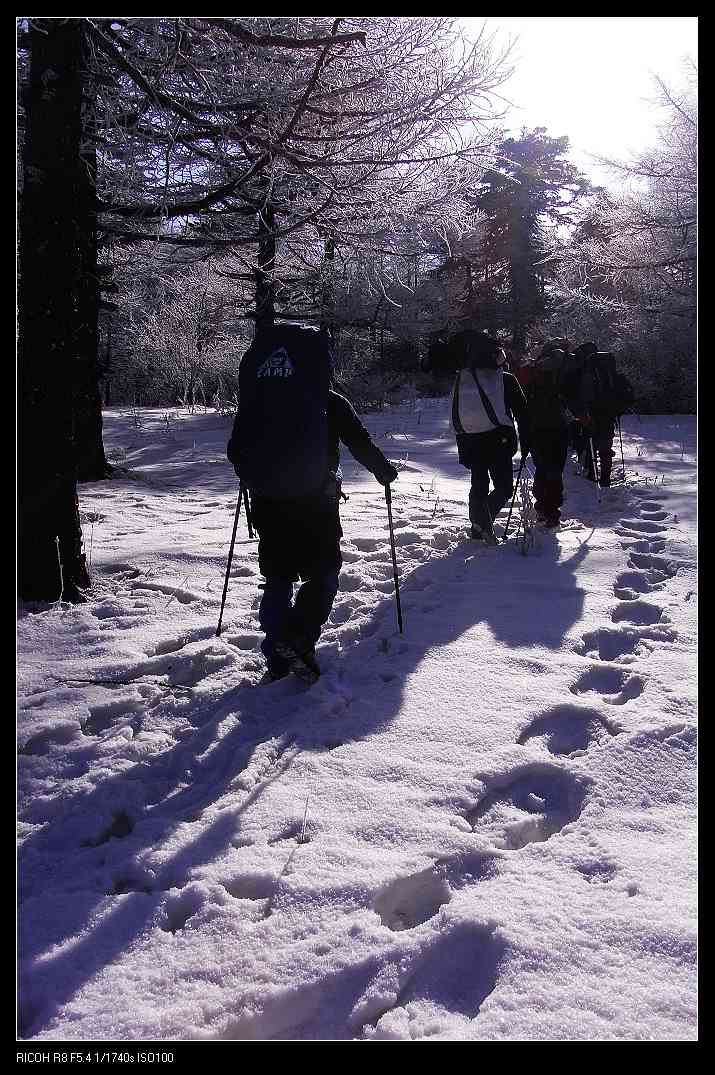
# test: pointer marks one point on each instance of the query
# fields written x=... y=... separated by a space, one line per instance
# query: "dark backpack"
x=603 y=390
x=467 y=349
x=281 y=427
x=542 y=384
x=474 y=350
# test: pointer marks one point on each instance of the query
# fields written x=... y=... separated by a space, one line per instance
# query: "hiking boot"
x=482 y=533
x=271 y=677
x=300 y=657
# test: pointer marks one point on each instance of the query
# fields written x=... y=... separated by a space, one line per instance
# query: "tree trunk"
x=92 y=463
x=327 y=287
x=108 y=365
x=265 y=271
x=51 y=562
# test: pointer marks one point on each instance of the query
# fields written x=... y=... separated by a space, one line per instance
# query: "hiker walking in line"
x=599 y=395
x=285 y=449
x=485 y=402
x=541 y=381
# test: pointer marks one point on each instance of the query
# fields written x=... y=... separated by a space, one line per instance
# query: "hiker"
x=570 y=381
x=549 y=418
x=599 y=394
x=285 y=449
x=485 y=402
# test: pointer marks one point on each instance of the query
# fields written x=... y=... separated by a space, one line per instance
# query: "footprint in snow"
x=122 y=571
x=351 y=581
x=631 y=583
x=657 y=516
x=596 y=872
x=639 y=612
x=531 y=806
x=644 y=526
x=250 y=886
x=624 y=644
x=180 y=906
x=453 y=975
x=411 y=900
x=173 y=645
x=366 y=544
x=641 y=545
x=121 y=826
x=668 y=568
x=568 y=729
x=182 y=595
x=615 y=685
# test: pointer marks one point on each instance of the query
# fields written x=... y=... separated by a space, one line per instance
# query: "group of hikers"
x=285 y=449
x=560 y=399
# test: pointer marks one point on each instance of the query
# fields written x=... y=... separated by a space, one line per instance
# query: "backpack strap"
x=487 y=403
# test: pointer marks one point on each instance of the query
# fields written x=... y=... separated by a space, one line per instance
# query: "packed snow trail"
x=480 y=830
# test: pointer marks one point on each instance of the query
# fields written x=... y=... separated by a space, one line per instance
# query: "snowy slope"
x=481 y=830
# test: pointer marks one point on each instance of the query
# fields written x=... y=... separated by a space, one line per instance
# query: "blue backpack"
x=281 y=425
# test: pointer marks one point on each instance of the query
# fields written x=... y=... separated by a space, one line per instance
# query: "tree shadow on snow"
x=104 y=869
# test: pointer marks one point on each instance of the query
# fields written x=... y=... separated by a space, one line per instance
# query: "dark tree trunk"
x=92 y=463
x=327 y=287
x=108 y=365
x=265 y=271
x=50 y=264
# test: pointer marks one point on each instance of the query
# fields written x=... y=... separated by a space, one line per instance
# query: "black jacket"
x=343 y=425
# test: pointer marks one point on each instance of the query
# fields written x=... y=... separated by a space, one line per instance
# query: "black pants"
x=302 y=619
x=549 y=449
x=298 y=539
x=602 y=434
x=489 y=458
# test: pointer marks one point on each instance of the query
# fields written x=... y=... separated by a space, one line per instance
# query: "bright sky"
x=591 y=78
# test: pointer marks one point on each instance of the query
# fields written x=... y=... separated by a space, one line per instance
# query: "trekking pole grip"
x=230 y=558
x=388 y=499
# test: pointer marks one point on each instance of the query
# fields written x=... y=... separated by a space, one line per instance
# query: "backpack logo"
x=278 y=364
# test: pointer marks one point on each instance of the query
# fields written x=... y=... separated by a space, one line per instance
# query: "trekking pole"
x=230 y=558
x=511 y=506
x=594 y=465
x=623 y=462
x=248 y=513
x=388 y=498
x=596 y=475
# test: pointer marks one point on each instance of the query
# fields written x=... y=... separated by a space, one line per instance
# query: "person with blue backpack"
x=285 y=449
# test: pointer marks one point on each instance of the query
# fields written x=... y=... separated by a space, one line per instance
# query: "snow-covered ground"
x=481 y=830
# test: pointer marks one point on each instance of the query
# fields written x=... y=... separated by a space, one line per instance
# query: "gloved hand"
x=387 y=476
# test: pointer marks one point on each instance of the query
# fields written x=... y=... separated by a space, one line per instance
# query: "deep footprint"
x=638 y=581
x=615 y=685
x=643 y=526
x=410 y=901
x=530 y=808
x=659 y=563
x=458 y=972
x=608 y=644
x=638 y=612
x=568 y=729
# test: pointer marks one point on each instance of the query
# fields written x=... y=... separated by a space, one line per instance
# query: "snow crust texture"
x=482 y=829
